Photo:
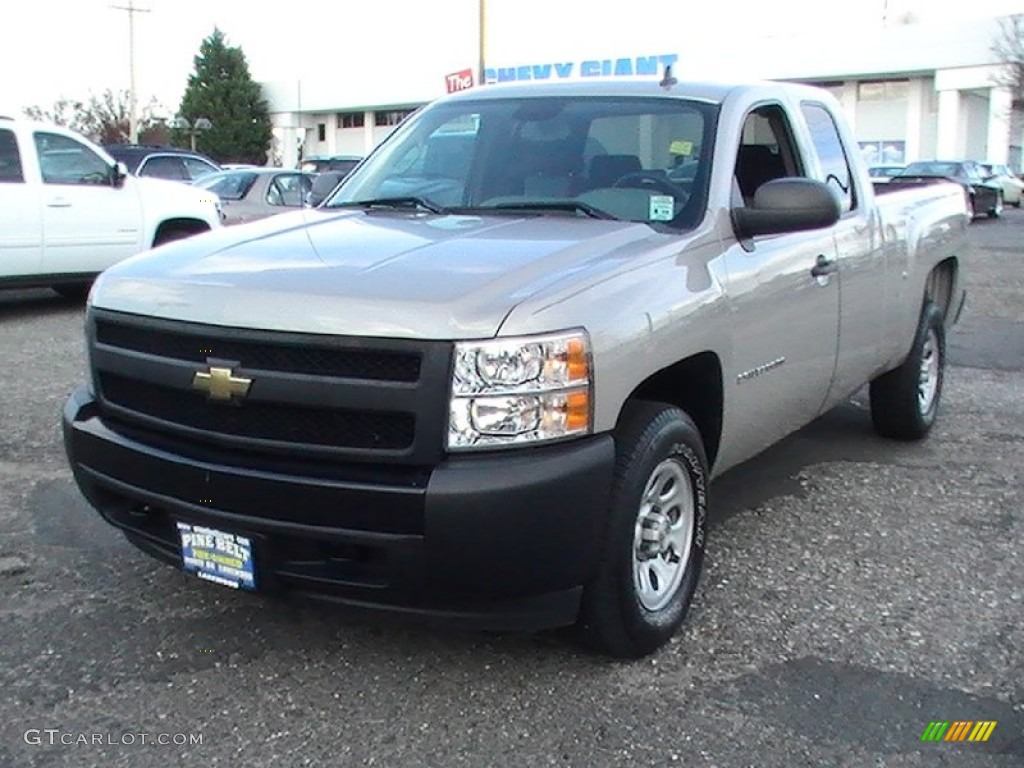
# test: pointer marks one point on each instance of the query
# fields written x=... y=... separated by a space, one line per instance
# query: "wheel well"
x=174 y=229
x=695 y=385
x=938 y=287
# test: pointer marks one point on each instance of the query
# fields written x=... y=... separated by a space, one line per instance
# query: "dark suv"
x=321 y=163
x=162 y=162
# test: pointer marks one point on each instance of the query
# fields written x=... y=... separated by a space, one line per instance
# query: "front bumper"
x=500 y=541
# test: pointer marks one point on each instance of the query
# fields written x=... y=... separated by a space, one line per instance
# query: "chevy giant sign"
x=637 y=66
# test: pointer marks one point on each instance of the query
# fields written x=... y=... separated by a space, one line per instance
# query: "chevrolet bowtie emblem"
x=220 y=384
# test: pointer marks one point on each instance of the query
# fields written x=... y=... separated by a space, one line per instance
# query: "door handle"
x=59 y=202
x=824 y=266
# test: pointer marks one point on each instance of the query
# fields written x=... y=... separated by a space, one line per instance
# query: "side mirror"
x=788 y=205
x=118 y=173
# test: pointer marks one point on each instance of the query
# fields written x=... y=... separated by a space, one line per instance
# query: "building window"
x=351 y=119
x=884 y=90
x=321 y=131
x=391 y=117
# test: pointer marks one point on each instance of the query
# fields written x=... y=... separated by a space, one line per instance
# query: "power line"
x=133 y=122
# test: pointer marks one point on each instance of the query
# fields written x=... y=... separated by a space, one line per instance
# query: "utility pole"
x=133 y=120
x=483 y=41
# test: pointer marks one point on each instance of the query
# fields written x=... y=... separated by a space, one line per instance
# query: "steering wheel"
x=649 y=179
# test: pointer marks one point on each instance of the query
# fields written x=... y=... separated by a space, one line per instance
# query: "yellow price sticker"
x=681 y=148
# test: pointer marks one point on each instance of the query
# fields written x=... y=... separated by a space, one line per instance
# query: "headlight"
x=521 y=390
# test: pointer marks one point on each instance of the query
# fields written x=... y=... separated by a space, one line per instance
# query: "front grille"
x=321 y=356
x=262 y=421
x=314 y=396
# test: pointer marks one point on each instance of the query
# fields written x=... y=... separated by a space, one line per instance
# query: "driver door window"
x=62 y=160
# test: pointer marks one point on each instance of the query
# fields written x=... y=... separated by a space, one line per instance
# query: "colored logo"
x=958 y=730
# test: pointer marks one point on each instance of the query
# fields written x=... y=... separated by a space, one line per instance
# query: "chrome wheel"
x=663 y=535
x=928 y=377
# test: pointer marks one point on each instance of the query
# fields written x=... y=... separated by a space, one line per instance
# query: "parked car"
x=324 y=183
x=882 y=173
x=1013 y=186
x=499 y=397
x=249 y=194
x=162 y=162
x=984 y=197
x=69 y=210
x=320 y=163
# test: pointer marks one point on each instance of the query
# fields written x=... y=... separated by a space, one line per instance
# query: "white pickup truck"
x=490 y=378
x=68 y=210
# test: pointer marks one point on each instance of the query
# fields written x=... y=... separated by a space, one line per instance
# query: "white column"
x=848 y=99
x=368 y=142
x=948 y=143
x=916 y=95
x=1000 y=104
x=332 y=133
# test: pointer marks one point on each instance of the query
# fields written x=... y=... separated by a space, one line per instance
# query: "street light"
x=192 y=129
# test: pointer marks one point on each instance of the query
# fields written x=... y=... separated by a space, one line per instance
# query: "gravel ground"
x=855 y=590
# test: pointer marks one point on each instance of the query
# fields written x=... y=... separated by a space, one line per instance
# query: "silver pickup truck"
x=490 y=379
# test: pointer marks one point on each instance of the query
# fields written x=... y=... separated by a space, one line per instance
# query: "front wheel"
x=997 y=208
x=654 y=545
x=905 y=400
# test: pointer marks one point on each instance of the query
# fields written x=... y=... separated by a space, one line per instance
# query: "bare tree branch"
x=102 y=118
x=1008 y=47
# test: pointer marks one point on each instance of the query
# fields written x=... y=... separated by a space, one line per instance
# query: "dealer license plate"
x=217 y=556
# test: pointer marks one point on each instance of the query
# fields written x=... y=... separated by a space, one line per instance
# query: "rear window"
x=932 y=169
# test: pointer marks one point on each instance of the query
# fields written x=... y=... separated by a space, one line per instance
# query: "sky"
x=71 y=48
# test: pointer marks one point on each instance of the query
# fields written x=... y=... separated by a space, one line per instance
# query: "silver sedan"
x=248 y=194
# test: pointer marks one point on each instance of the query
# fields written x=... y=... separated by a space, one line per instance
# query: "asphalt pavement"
x=855 y=591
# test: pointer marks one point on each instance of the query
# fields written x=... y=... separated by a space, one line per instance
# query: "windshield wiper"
x=572 y=206
x=394 y=202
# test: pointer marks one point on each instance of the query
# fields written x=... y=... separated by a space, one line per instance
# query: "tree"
x=102 y=118
x=222 y=91
x=1008 y=47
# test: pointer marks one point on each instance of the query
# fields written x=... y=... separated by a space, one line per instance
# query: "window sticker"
x=684 y=148
x=662 y=208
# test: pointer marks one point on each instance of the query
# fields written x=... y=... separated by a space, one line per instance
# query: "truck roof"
x=702 y=91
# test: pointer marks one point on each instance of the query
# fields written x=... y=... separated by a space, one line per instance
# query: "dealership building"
x=911 y=91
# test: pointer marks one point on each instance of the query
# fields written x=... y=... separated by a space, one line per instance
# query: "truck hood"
x=387 y=273
x=162 y=195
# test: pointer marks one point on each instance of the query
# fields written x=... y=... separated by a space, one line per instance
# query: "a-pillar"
x=949 y=144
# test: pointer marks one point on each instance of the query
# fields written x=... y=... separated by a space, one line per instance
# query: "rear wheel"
x=654 y=545
x=905 y=400
x=171 y=234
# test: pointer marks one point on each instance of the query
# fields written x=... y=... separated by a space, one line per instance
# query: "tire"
x=905 y=401
x=996 y=210
x=73 y=291
x=627 y=610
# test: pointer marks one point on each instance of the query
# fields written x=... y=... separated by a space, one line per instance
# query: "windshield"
x=232 y=185
x=635 y=159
